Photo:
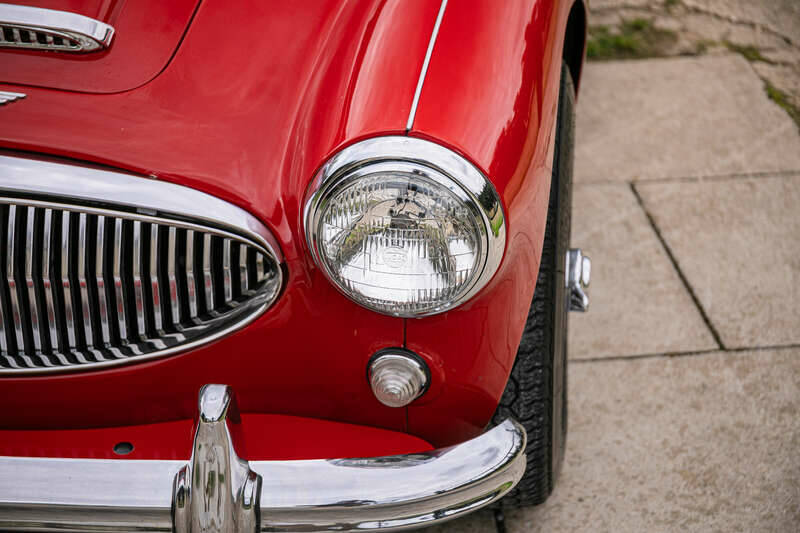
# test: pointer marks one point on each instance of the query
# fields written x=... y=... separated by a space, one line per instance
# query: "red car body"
x=245 y=101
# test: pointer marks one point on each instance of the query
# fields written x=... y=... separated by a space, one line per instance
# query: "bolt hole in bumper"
x=218 y=490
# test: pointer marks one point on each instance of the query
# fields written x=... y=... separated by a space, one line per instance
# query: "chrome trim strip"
x=424 y=71
x=84 y=194
x=89 y=34
x=221 y=492
x=7 y=97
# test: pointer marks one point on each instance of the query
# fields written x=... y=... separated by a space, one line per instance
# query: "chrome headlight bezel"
x=431 y=161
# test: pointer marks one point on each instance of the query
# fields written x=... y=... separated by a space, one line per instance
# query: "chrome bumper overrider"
x=219 y=491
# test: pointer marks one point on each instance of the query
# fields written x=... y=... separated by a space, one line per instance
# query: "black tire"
x=536 y=393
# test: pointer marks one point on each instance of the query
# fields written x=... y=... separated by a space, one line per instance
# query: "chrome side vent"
x=36 y=28
x=90 y=283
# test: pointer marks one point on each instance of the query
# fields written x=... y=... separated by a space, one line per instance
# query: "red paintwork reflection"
x=247 y=118
x=491 y=92
x=250 y=120
x=266 y=437
x=147 y=32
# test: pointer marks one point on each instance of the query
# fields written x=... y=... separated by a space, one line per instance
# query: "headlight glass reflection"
x=399 y=237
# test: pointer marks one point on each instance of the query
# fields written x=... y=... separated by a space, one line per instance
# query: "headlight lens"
x=404 y=226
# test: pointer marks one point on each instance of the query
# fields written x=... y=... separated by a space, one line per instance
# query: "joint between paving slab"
x=776 y=174
x=681 y=275
x=689 y=353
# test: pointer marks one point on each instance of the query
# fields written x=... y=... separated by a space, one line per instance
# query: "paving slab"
x=780 y=16
x=694 y=443
x=663 y=118
x=638 y=303
x=737 y=241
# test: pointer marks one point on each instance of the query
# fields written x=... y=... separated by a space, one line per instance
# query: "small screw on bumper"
x=579 y=273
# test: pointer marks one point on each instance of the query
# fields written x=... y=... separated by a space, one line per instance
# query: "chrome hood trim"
x=8 y=97
x=36 y=28
x=221 y=492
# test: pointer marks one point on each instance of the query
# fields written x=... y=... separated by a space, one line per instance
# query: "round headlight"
x=404 y=226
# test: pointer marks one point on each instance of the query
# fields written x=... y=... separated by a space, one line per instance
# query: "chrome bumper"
x=217 y=491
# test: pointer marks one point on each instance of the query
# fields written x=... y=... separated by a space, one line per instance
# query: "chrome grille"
x=85 y=286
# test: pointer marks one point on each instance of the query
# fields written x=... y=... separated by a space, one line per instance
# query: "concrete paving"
x=766 y=33
x=708 y=440
x=738 y=243
x=669 y=118
x=696 y=443
x=634 y=284
x=779 y=16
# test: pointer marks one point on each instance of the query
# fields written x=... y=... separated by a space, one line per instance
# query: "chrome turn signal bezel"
x=406 y=366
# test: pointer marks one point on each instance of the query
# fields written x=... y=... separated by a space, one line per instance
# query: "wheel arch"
x=575 y=41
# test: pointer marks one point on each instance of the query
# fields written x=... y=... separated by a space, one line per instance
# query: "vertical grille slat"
x=67 y=251
x=172 y=283
x=161 y=273
x=116 y=274
x=191 y=283
x=244 y=279
x=227 y=278
x=155 y=290
x=138 y=282
x=11 y=259
x=81 y=287
x=7 y=346
x=81 y=250
x=29 y=260
x=4 y=306
x=25 y=346
x=181 y=278
x=208 y=286
x=47 y=283
x=236 y=275
x=56 y=261
x=104 y=299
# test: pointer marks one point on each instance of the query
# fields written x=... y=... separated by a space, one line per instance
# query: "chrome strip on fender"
x=221 y=492
x=425 y=64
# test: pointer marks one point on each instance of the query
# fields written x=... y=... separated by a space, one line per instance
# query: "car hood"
x=256 y=96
